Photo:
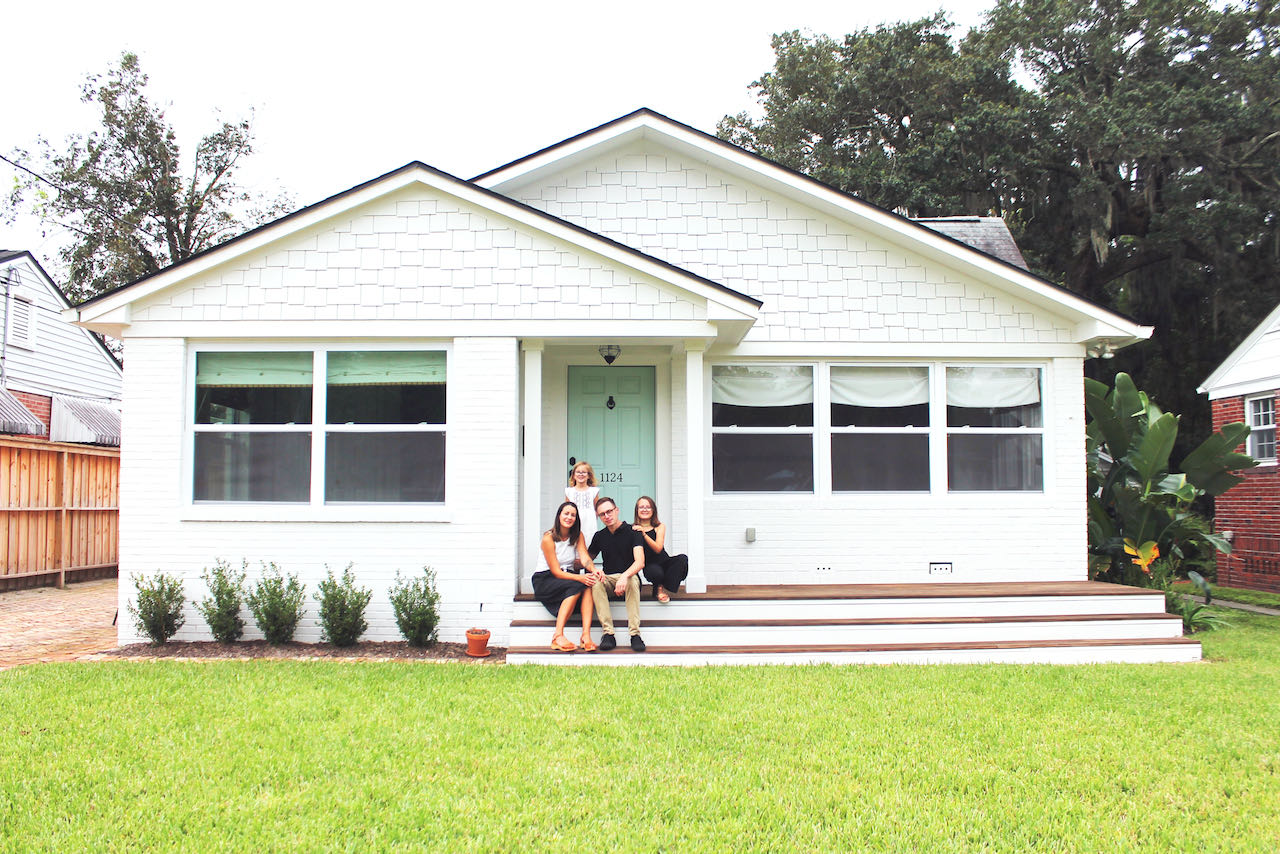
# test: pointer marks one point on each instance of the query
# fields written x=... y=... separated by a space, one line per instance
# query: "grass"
x=1232 y=594
x=277 y=756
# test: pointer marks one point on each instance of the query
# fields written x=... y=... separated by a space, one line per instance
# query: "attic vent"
x=22 y=322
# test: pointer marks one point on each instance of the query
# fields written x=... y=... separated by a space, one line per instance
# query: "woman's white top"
x=565 y=551
x=585 y=500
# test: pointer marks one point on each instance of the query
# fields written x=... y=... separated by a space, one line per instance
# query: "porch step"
x=972 y=652
x=1017 y=622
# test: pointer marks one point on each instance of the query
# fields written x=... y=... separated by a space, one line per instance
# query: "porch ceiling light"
x=609 y=352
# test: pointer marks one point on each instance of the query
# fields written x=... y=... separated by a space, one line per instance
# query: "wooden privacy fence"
x=59 y=509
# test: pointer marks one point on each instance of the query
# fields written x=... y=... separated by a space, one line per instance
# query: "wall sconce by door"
x=609 y=352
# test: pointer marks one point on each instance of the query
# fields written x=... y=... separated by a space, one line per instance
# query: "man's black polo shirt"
x=616 y=547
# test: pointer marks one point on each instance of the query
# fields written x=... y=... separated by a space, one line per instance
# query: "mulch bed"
x=258 y=649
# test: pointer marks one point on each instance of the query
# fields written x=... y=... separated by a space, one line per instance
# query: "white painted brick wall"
x=735 y=233
x=473 y=554
x=438 y=263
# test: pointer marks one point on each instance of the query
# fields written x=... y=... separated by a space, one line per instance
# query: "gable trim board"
x=1096 y=324
x=1219 y=384
x=506 y=393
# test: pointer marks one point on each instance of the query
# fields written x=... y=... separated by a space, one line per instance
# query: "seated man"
x=623 y=559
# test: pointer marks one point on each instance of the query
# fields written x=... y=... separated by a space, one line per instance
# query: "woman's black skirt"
x=552 y=591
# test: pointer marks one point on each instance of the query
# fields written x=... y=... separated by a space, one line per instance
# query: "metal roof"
x=16 y=418
x=75 y=419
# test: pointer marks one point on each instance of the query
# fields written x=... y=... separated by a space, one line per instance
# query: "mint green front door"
x=611 y=426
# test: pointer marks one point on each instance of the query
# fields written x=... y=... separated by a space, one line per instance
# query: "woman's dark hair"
x=635 y=513
x=572 y=534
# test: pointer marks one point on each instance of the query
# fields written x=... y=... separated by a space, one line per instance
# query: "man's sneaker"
x=607 y=643
x=637 y=644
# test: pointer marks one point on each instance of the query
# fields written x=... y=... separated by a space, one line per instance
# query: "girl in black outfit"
x=663 y=571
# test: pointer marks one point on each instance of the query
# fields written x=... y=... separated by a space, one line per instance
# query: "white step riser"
x=690 y=635
x=1178 y=653
x=825 y=609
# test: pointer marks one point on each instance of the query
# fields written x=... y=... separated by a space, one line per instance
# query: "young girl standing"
x=582 y=491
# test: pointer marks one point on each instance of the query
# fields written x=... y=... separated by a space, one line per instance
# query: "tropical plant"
x=221 y=609
x=416 y=604
x=158 y=613
x=1196 y=616
x=1140 y=508
x=276 y=604
x=342 y=606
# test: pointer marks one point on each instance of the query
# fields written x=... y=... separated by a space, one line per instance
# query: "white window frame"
x=1262 y=425
x=941 y=422
x=818 y=378
x=833 y=431
x=938 y=432
x=316 y=508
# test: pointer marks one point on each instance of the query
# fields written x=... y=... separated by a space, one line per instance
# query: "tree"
x=121 y=190
x=1133 y=146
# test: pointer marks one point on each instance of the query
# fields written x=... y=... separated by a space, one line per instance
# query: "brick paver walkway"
x=48 y=624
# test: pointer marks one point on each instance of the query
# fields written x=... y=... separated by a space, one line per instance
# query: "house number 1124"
x=611 y=477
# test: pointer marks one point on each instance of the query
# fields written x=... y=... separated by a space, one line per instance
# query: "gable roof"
x=1231 y=377
x=111 y=307
x=1095 y=324
x=11 y=257
x=987 y=234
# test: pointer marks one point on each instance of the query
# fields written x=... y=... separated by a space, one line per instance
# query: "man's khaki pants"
x=600 y=593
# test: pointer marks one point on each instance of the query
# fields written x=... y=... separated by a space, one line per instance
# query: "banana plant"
x=1136 y=496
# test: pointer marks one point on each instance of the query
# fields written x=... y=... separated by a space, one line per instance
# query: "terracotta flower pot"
x=477 y=643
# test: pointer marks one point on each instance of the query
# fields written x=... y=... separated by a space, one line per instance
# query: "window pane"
x=995 y=462
x=871 y=462
x=993 y=397
x=384 y=467
x=879 y=396
x=252 y=467
x=762 y=463
x=1262 y=412
x=253 y=388
x=394 y=387
x=879 y=416
x=1262 y=444
x=762 y=396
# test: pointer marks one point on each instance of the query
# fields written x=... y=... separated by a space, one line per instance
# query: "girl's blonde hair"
x=591 y=473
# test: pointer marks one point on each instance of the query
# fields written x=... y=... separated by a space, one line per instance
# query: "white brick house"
x=815 y=390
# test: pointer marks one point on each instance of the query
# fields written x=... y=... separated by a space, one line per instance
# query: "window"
x=762 y=428
x=375 y=427
x=922 y=428
x=879 y=429
x=1261 y=414
x=995 y=429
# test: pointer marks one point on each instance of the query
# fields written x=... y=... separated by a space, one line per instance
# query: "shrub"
x=158 y=614
x=416 y=604
x=221 y=610
x=342 y=609
x=276 y=604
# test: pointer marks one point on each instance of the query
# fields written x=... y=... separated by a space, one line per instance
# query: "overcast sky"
x=343 y=92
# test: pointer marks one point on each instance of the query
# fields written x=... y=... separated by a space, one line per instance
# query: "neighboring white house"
x=56 y=380
x=814 y=389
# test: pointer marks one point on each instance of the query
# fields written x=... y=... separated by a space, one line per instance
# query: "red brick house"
x=1245 y=388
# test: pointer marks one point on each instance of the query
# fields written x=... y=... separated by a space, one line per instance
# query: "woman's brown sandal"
x=560 y=643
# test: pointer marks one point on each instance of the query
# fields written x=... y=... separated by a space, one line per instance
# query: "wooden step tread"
x=624 y=649
x=960 y=589
x=871 y=621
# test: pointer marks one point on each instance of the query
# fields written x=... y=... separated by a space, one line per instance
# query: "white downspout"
x=4 y=342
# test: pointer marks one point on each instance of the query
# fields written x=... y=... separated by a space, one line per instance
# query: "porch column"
x=695 y=443
x=531 y=461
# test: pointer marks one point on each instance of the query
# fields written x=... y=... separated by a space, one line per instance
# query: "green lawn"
x=296 y=756
x=1233 y=594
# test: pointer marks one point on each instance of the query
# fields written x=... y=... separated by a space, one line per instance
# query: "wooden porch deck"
x=1056 y=621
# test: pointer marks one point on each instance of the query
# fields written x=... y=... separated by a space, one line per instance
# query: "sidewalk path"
x=1239 y=606
x=48 y=624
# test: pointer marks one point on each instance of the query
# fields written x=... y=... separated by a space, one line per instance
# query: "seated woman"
x=558 y=585
x=663 y=571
